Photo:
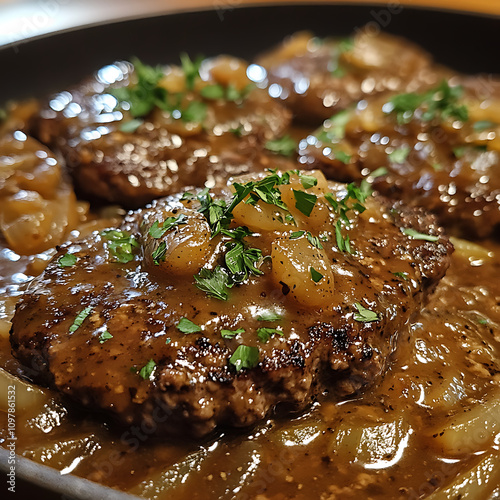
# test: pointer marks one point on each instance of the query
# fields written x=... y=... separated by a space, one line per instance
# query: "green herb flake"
x=379 y=172
x=482 y=321
x=105 y=336
x=213 y=283
x=335 y=127
x=187 y=326
x=401 y=275
x=120 y=245
x=147 y=370
x=230 y=334
x=168 y=340
x=483 y=125
x=264 y=334
x=400 y=155
x=191 y=69
x=315 y=275
x=365 y=315
x=342 y=156
x=459 y=151
x=245 y=357
x=314 y=241
x=297 y=234
x=67 y=260
x=195 y=112
x=304 y=202
x=159 y=254
x=130 y=126
x=80 y=318
x=269 y=316
x=157 y=230
x=419 y=236
x=284 y=146
x=213 y=92
x=308 y=181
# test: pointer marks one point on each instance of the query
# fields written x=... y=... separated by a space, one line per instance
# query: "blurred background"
x=22 y=19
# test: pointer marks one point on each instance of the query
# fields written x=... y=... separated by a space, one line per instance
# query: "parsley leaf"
x=285 y=146
x=120 y=245
x=315 y=275
x=195 y=111
x=297 y=234
x=245 y=357
x=264 y=334
x=147 y=370
x=379 y=172
x=308 y=181
x=130 y=126
x=214 y=91
x=334 y=128
x=241 y=261
x=314 y=241
x=187 y=326
x=342 y=156
x=401 y=275
x=304 y=202
x=419 y=236
x=159 y=254
x=229 y=334
x=105 y=336
x=399 y=155
x=214 y=283
x=191 y=69
x=483 y=125
x=67 y=260
x=157 y=230
x=365 y=315
x=269 y=316
x=80 y=318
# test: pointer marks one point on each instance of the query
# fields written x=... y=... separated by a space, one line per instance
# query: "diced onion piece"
x=293 y=46
x=471 y=251
x=226 y=70
x=478 y=482
x=470 y=430
x=186 y=245
x=27 y=397
x=260 y=217
x=292 y=261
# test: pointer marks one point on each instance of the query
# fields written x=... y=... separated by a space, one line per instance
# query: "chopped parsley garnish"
x=159 y=254
x=120 y=245
x=342 y=156
x=365 y=315
x=308 y=181
x=315 y=275
x=314 y=241
x=483 y=125
x=187 y=326
x=168 y=340
x=399 y=155
x=80 y=318
x=147 y=370
x=269 y=316
x=419 y=236
x=437 y=167
x=379 y=172
x=245 y=357
x=191 y=69
x=229 y=334
x=145 y=94
x=343 y=243
x=105 y=336
x=213 y=283
x=67 y=260
x=285 y=146
x=304 y=202
x=195 y=111
x=482 y=321
x=241 y=261
x=440 y=102
x=297 y=234
x=157 y=230
x=229 y=93
x=459 y=151
x=401 y=275
x=334 y=129
x=130 y=126
x=264 y=334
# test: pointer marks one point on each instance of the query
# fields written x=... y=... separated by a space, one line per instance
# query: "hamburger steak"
x=213 y=307
x=133 y=133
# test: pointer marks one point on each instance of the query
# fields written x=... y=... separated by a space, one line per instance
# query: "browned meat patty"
x=438 y=149
x=316 y=78
x=164 y=130
x=197 y=312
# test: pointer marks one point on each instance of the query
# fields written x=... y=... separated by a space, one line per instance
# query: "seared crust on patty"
x=194 y=385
